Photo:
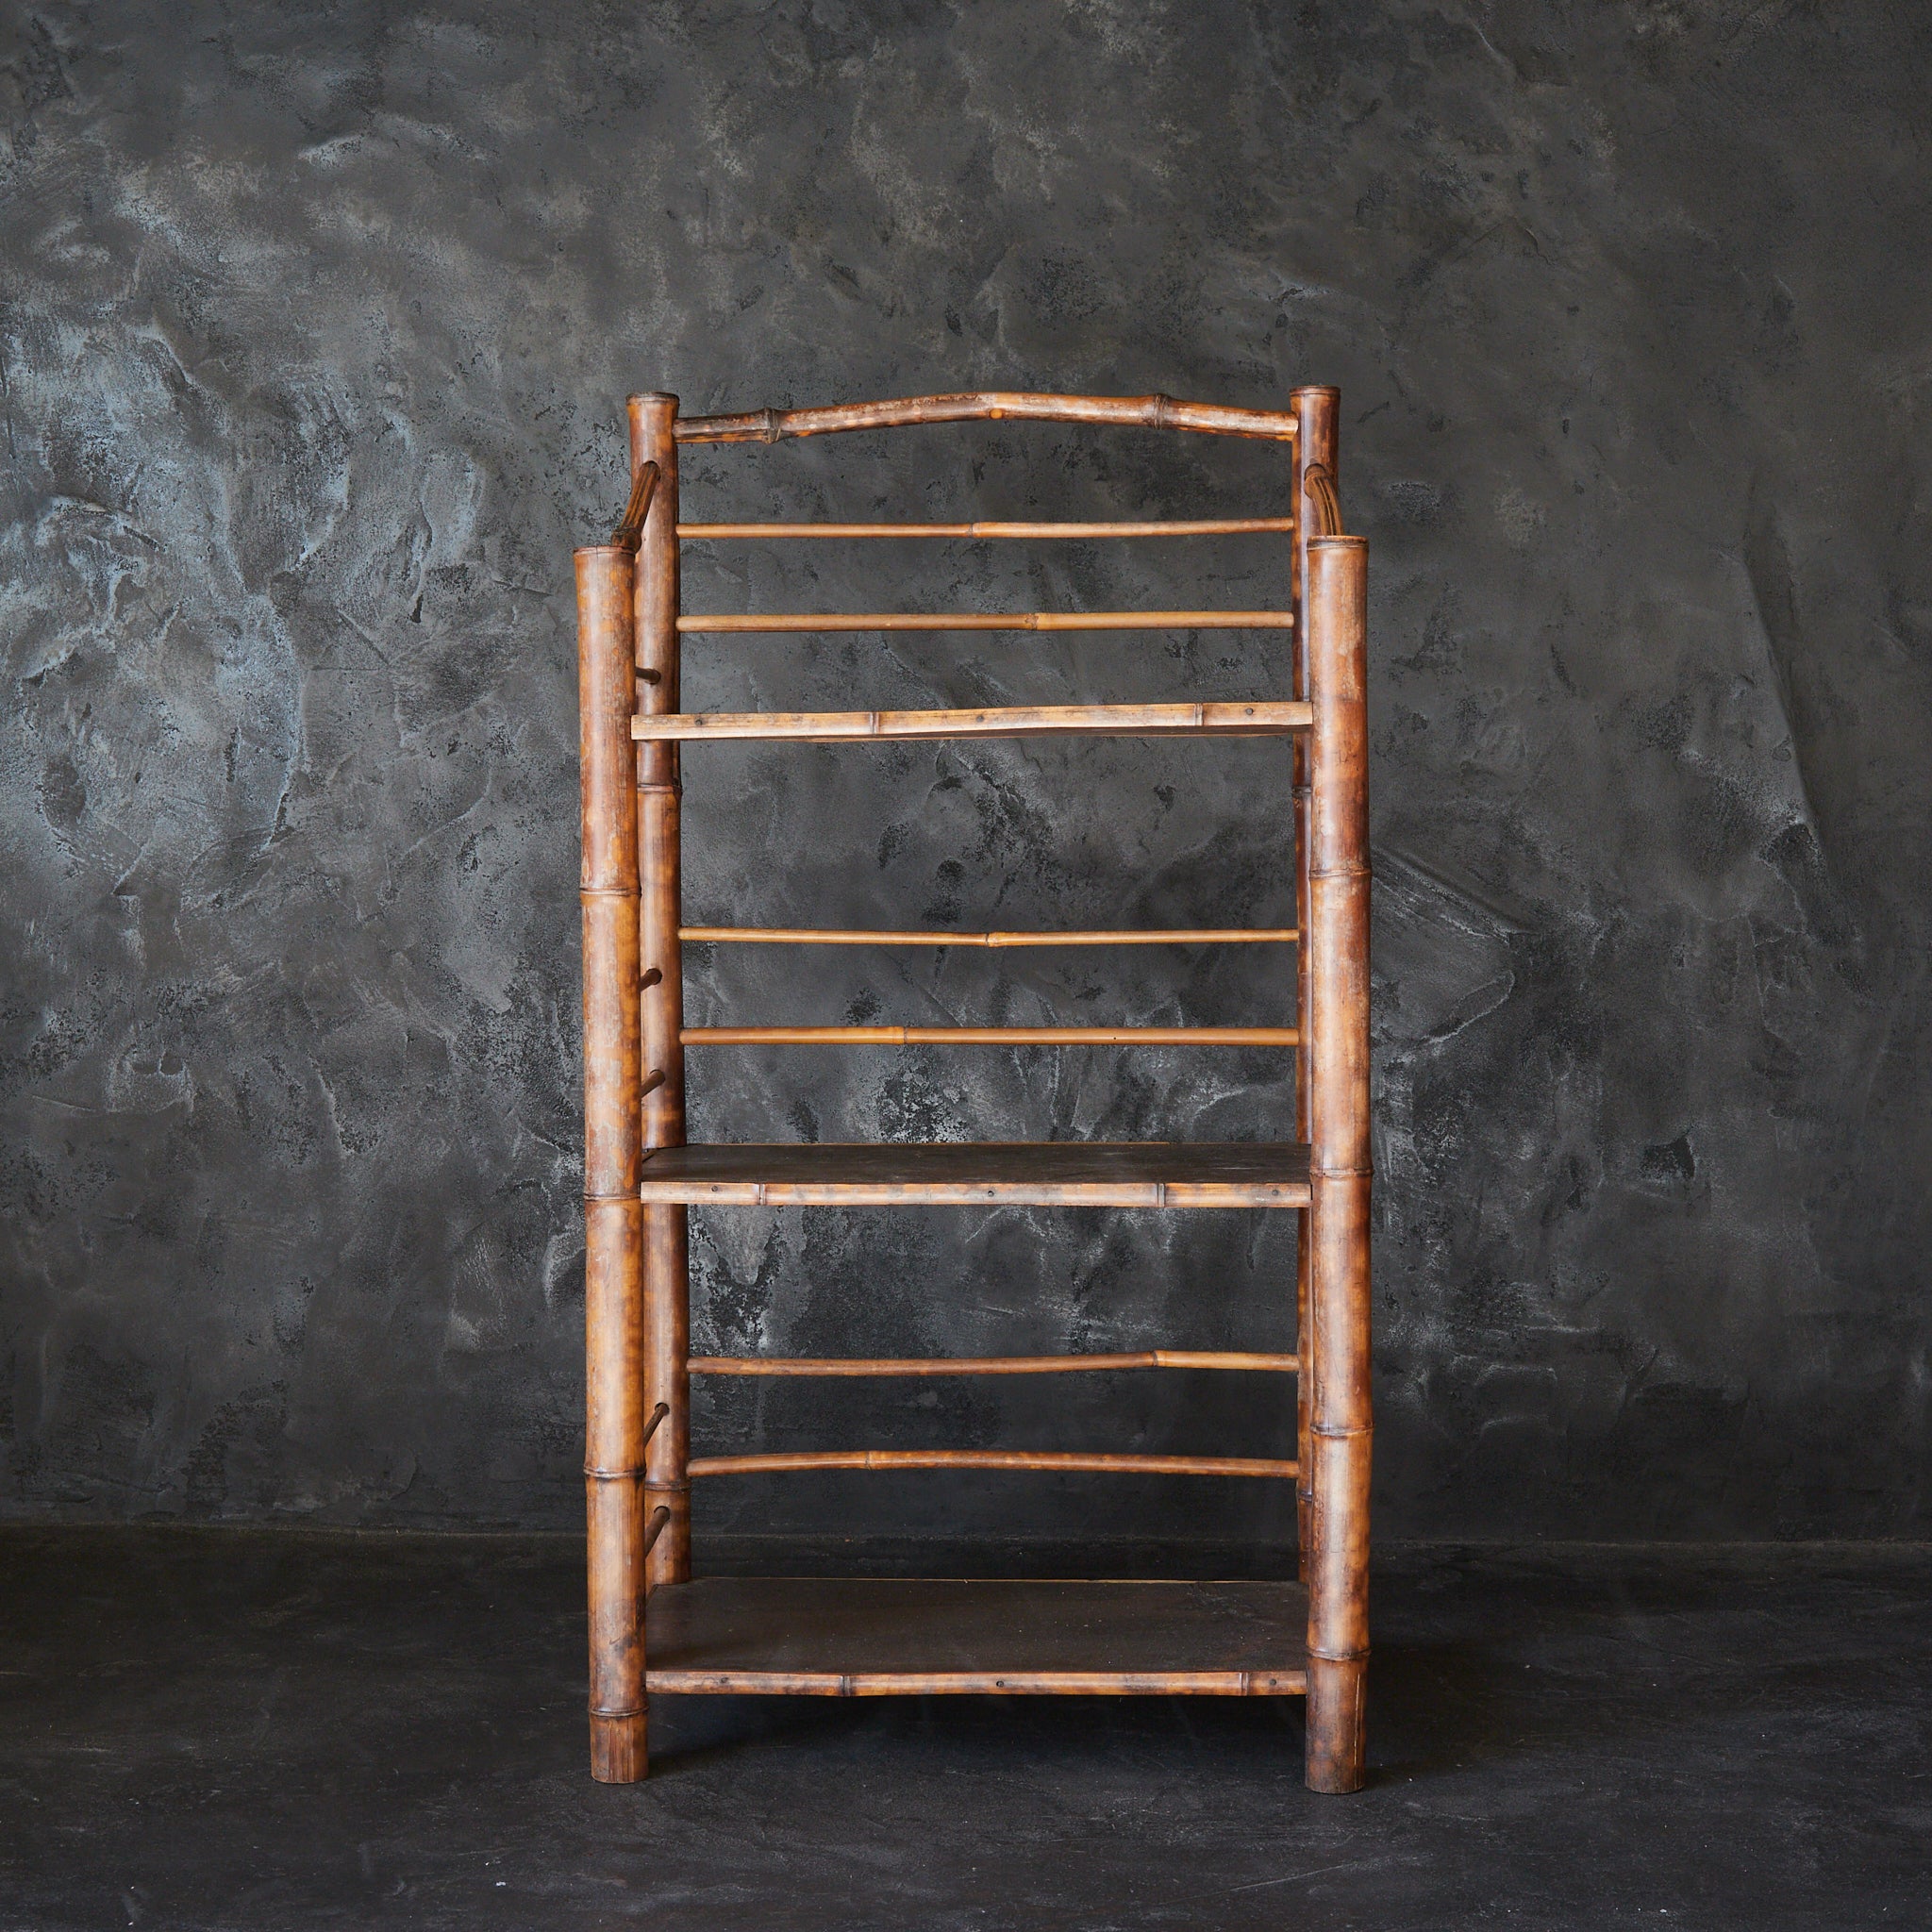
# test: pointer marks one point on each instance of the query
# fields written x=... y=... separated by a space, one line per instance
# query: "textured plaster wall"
x=315 y=325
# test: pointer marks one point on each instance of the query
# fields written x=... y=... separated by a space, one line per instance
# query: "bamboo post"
x=613 y=1422
x=1315 y=413
x=1337 y=1023
x=666 y=1259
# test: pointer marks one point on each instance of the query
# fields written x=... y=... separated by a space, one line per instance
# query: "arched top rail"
x=1144 y=412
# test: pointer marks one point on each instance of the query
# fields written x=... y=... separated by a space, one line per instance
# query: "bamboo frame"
x=986 y=1364
x=1199 y=527
x=772 y=621
x=1249 y=719
x=1065 y=1460
x=638 y=1464
x=836 y=936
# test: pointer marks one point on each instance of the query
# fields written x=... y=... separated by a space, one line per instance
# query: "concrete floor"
x=263 y=1729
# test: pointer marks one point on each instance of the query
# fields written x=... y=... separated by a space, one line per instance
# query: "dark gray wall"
x=317 y=325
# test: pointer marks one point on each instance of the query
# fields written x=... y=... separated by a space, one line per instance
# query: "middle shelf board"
x=1051 y=1173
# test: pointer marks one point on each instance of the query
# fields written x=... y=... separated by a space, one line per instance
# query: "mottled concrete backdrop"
x=315 y=327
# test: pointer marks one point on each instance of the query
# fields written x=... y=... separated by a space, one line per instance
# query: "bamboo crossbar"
x=987 y=1364
x=989 y=1035
x=1146 y=412
x=842 y=935
x=1071 y=1460
x=1197 y=527
x=774 y=621
x=1246 y=720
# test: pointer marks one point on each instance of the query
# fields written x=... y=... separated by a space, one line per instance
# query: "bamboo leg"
x=613 y=1424
x=1338 y=1015
x=666 y=1259
x=1315 y=447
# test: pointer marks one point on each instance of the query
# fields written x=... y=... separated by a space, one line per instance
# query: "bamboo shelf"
x=652 y=1628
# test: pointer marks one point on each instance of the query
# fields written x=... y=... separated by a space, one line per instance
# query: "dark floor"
x=261 y=1729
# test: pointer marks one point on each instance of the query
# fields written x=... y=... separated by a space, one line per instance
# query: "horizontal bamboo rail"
x=986 y=1364
x=979 y=1683
x=1199 y=527
x=1248 y=720
x=859 y=936
x=774 y=621
x=990 y=1036
x=989 y=1458
x=1148 y=412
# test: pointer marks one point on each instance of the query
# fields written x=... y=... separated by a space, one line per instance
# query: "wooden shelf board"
x=836 y=1636
x=1065 y=1174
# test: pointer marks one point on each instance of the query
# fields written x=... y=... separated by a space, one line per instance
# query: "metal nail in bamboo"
x=613 y=1217
x=1315 y=451
x=1337 y=1022
x=666 y=1259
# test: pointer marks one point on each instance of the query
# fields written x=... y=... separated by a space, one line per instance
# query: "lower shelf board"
x=835 y=1637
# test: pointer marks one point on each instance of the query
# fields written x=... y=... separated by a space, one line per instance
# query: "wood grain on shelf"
x=1049 y=1174
x=834 y=1637
x=1081 y=1461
